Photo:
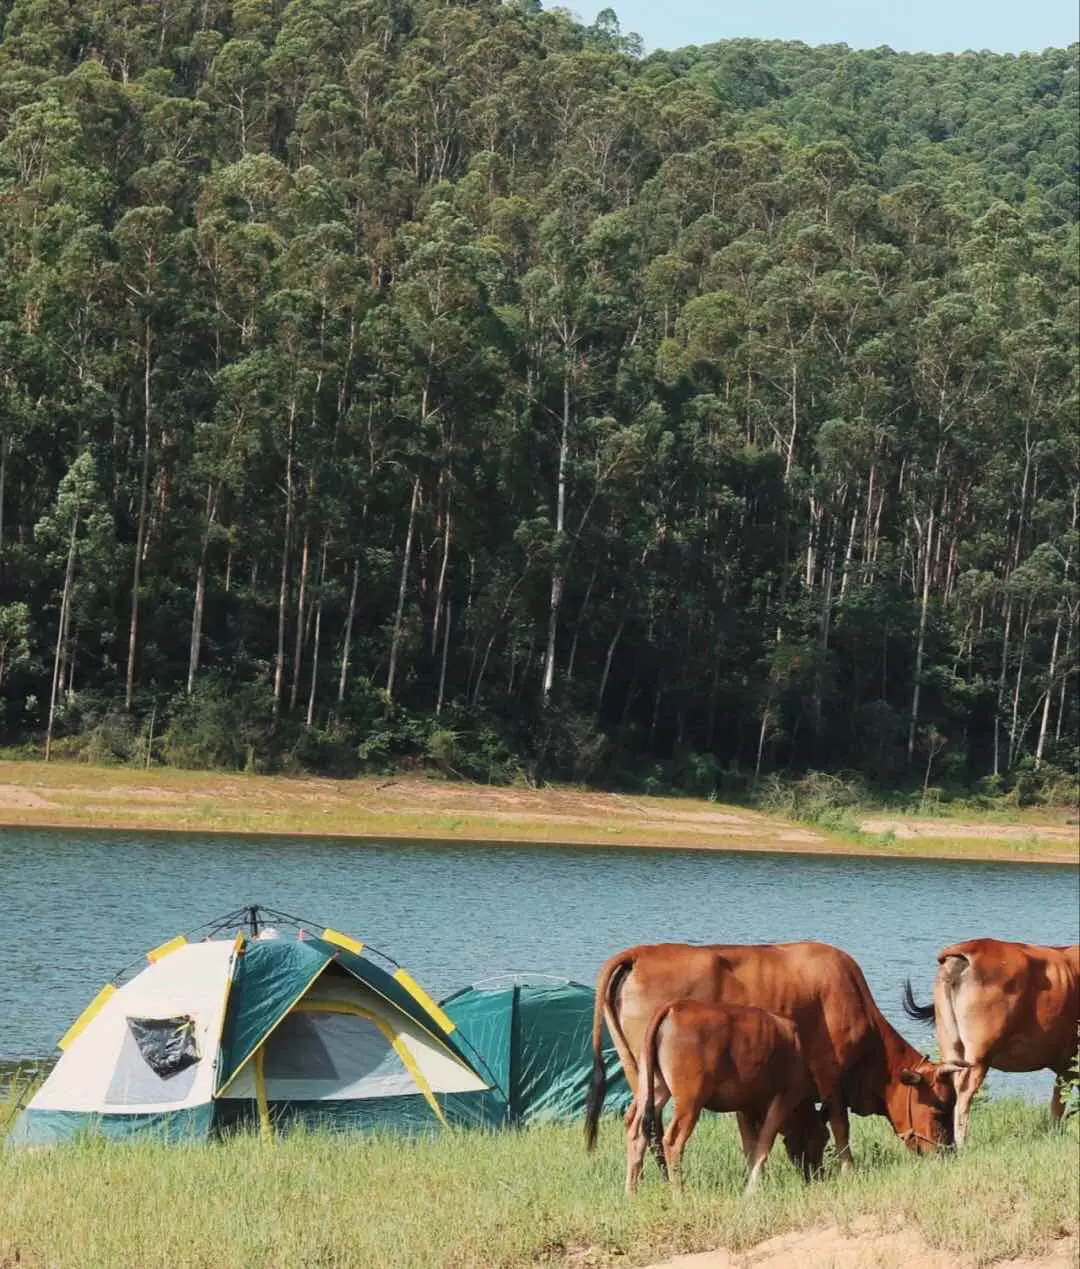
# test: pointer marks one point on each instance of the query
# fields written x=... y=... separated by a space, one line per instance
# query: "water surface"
x=78 y=906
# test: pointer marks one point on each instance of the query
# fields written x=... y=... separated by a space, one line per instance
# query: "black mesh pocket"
x=168 y=1045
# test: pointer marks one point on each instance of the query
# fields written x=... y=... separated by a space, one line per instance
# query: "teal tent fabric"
x=269 y=978
x=536 y=1040
x=58 y=1127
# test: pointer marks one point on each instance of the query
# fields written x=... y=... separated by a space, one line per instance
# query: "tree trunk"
x=1049 y=692
x=1013 y=743
x=607 y=664
x=577 y=629
x=200 y=591
x=61 y=631
x=5 y=447
x=558 y=578
x=920 y=646
x=1001 y=686
x=301 y=613
x=316 y=637
x=1063 y=698
x=140 y=532
x=346 y=645
x=794 y=420
x=286 y=545
x=442 y=667
x=440 y=589
x=395 y=642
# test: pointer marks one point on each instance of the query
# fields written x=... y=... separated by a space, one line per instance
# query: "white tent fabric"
x=104 y=1071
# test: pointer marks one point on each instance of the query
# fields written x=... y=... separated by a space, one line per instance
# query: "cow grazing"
x=723 y=1058
x=1010 y=1006
x=857 y=1060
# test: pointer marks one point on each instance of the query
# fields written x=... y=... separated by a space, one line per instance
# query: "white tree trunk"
x=395 y=642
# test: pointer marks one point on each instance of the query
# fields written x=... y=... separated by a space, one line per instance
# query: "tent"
x=535 y=1039
x=262 y=1029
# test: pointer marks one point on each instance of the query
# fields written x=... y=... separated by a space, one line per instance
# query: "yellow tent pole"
x=266 y=1128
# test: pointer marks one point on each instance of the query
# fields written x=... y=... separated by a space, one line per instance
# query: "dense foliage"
x=390 y=380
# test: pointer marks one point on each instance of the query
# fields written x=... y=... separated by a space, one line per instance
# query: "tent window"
x=134 y=1082
x=332 y=1055
x=168 y=1045
x=296 y=1051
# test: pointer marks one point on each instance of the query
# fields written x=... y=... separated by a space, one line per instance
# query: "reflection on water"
x=76 y=907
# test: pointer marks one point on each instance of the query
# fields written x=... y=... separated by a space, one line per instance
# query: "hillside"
x=394 y=382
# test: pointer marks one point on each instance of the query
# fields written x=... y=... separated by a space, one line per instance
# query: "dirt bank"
x=78 y=796
x=865 y=1246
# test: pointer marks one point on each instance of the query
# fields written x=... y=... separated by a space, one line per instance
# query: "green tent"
x=264 y=1030
x=272 y=1030
x=534 y=1038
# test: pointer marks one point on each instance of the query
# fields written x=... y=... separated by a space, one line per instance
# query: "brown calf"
x=858 y=1061
x=1010 y=1006
x=723 y=1058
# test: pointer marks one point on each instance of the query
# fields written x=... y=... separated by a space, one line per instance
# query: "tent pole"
x=266 y=1128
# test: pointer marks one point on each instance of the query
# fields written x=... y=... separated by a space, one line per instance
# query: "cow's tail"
x=606 y=986
x=651 y=1124
x=915 y=1011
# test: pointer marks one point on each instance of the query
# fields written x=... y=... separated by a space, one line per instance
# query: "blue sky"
x=932 y=26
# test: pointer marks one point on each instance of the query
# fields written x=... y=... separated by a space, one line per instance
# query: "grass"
x=511 y=1200
x=812 y=819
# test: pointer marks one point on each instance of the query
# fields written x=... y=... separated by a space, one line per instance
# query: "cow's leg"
x=675 y=1139
x=774 y=1118
x=841 y=1131
x=636 y=1145
x=1057 y=1100
x=749 y=1128
x=968 y=1081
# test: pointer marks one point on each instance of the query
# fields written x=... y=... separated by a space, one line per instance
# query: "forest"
x=403 y=383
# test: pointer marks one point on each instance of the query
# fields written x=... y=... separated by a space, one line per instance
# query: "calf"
x=723 y=1058
x=858 y=1061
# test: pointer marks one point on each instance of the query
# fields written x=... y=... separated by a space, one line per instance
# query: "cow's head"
x=805 y=1139
x=922 y=1108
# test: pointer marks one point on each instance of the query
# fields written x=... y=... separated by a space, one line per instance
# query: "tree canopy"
x=395 y=380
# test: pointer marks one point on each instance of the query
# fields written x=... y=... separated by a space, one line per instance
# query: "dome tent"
x=257 y=1028
x=535 y=1037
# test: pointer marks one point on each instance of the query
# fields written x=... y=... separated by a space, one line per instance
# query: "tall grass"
x=509 y=1200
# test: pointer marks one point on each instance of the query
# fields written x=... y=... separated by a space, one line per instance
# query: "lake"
x=76 y=907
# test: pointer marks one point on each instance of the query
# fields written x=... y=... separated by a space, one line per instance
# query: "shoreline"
x=418 y=809
x=957 y=852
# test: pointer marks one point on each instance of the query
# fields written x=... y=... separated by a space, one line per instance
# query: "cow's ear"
x=914 y=1078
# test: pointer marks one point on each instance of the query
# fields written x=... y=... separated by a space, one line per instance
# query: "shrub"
x=223 y=725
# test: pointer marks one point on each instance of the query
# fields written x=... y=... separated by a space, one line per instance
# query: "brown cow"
x=858 y=1061
x=723 y=1058
x=1011 y=1006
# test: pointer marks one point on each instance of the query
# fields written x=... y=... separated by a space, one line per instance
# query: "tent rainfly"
x=536 y=1042
x=266 y=1030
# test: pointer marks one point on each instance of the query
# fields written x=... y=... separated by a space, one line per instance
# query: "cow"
x=858 y=1061
x=723 y=1058
x=1010 y=1006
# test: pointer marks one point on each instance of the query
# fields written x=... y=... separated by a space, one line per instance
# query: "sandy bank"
x=77 y=796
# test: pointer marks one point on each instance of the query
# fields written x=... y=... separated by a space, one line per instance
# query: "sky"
x=929 y=26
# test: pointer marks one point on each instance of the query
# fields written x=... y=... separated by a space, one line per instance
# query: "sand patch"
x=864 y=1246
x=16 y=796
x=959 y=829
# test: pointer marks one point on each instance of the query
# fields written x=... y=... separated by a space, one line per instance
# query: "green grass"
x=510 y=1200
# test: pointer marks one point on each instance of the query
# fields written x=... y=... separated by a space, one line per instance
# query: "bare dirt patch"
x=864 y=1246
x=69 y=795
x=905 y=828
x=14 y=797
